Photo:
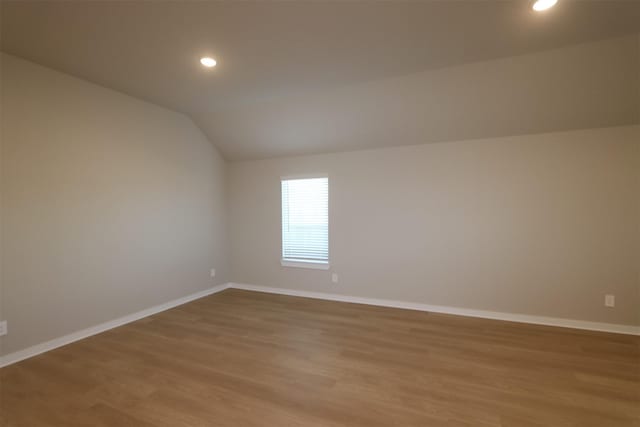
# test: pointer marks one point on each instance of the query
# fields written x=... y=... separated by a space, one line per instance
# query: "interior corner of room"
x=502 y=186
x=101 y=191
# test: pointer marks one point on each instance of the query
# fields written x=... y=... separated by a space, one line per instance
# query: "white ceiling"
x=268 y=50
x=589 y=85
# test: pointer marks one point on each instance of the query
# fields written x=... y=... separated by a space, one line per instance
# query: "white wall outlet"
x=610 y=300
x=213 y=272
x=3 y=328
x=334 y=277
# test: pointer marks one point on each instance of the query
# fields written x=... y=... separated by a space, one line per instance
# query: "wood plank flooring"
x=246 y=359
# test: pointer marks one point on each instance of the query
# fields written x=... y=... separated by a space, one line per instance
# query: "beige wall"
x=544 y=224
x=109 y=205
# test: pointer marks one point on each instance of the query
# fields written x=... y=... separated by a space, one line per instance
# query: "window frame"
x=297 y=263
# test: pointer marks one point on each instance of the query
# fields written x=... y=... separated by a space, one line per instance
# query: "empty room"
x=320 y=213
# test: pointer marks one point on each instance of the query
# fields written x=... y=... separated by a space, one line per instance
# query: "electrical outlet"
x=213 y=272
x=3 y=328
x=610 y=300
x=334 y=277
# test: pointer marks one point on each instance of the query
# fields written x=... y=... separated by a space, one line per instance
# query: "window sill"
x=315 y=265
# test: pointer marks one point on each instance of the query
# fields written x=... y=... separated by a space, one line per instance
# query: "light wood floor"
x=249 y=359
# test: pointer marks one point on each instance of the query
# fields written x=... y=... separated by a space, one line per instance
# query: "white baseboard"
x=511 y=317
x=75 y=336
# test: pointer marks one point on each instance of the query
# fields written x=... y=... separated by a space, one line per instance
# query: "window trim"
x=302 y=263
x=304 y=176
x=297 y=263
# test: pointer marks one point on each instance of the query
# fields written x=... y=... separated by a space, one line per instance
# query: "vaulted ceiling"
x=269 y=52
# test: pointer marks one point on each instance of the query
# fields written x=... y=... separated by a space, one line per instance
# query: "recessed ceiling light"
x=208 y=62
x=540 y=5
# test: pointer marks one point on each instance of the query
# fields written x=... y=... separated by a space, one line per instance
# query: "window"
x=305 y=222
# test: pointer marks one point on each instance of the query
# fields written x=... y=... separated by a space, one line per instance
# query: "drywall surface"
x=110 y=205
x=582 y=86
x=542 y=224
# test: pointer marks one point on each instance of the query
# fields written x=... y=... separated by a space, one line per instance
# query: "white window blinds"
x=305 y=220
